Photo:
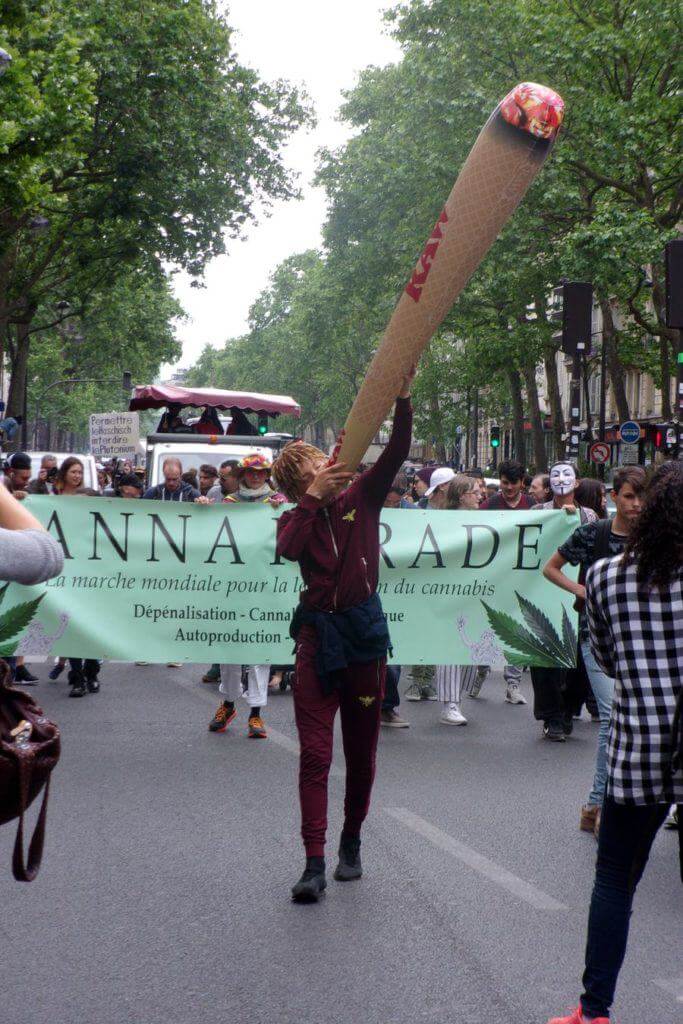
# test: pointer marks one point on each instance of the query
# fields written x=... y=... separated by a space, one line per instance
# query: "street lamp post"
x=674 y=318
x=475 y=429
x=577 y=316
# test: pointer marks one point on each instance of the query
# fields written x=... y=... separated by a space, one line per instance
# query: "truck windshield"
x=192 y=457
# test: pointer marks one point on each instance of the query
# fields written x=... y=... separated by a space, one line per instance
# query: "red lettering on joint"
x=426 y=261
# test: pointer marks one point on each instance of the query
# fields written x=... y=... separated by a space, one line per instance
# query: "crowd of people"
x=630 y=598
x=627 y=674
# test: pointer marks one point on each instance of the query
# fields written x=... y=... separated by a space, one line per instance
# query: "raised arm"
x=377 y=480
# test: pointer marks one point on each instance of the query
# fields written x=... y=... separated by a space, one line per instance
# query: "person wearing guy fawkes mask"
x=558 y=691
x=563 y=484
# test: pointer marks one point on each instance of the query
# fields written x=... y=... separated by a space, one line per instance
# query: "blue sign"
x=629 y=432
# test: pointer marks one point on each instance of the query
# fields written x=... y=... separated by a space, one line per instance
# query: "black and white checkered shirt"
x=637 y=638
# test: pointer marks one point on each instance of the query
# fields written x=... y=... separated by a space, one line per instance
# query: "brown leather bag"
x=29 y=750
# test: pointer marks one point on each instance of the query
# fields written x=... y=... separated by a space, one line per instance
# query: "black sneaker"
x=568 y=724
x=56 y=671
x=312 y=884
x=93 y=685
x=553 y=730
x=78 y=689
x=22 y=675
x=349 y=866
x=225 y=713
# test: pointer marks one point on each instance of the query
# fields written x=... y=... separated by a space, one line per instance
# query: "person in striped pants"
x=450 y=680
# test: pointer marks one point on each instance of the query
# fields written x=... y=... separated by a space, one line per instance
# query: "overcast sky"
x=321 y=46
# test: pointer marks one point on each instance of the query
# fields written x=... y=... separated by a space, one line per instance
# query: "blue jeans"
x=391 y=695
x=603 y=691
x=627 y=832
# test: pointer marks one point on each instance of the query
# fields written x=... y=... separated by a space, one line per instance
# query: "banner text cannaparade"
x=475 y=546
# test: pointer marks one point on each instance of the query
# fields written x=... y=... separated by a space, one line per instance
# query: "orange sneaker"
x=223 y=717
x=257 y=730
x=577 y=1017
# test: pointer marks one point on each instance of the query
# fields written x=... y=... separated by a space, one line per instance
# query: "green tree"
x=125 y=327
x=138 y=136
x=601 y=209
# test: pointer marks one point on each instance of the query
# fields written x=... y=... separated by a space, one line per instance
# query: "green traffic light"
x=495 y=442
x=263 y=429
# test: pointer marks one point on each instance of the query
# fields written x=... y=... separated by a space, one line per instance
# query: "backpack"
x=29 y=750
x=600 y=550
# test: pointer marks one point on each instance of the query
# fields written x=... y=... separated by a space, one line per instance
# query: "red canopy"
x=157 y=396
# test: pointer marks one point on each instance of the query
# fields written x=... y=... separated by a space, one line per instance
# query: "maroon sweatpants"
x=359 y=700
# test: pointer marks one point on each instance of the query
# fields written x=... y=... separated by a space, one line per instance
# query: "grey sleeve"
x=29 y=556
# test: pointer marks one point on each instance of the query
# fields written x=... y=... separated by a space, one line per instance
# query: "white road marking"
x=489 y=869
x=475 y=860
x=674 y=986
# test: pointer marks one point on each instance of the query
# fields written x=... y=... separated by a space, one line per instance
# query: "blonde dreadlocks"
x=287 y=466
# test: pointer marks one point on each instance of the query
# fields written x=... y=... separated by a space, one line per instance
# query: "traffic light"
x=674 y=282
x=495 y=437
x=665 y=438
x=670 y=440
x=263 y=423
x=577 y=316
x=127 y=380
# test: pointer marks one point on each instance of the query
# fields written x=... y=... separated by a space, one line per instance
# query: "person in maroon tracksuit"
x=340 y=630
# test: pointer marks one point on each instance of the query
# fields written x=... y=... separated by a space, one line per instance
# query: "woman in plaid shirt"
x=635 y=613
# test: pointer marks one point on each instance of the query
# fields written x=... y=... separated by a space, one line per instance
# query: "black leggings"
x=627 y=832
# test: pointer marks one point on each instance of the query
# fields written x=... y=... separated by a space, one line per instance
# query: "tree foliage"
x=137 y=138
x=601 y=209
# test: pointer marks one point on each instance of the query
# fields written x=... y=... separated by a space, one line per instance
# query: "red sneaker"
x=577 y=1017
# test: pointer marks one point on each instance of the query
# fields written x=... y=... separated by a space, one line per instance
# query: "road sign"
x=629 y=432
x=629 y=455
x=600 y=452
x=114 y=435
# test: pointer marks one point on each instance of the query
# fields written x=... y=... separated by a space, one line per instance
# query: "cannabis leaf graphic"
x=538 y=645
x=14 y=621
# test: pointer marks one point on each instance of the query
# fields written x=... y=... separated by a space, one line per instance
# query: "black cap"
x=20 y=460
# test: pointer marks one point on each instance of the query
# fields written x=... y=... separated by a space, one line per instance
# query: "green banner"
x=164 y=581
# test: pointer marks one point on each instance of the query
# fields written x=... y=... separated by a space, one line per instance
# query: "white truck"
x=192 y=441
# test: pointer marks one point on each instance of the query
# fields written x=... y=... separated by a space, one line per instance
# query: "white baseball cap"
x=442 y=475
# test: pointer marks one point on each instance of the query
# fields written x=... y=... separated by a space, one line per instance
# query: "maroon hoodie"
x=337 y=546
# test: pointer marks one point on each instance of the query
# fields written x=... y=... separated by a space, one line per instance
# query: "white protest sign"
x=114 y=435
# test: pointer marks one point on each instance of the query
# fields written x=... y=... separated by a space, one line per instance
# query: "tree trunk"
x=554 y=401
x=587 y=400
x=17 y=384
x=515 y=383
x=615 y=368
x=540 y=456
x=437 y=421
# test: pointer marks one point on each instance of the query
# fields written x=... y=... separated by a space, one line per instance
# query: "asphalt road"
x=164 y=895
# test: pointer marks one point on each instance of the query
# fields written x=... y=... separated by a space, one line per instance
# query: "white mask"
x=562 y=478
